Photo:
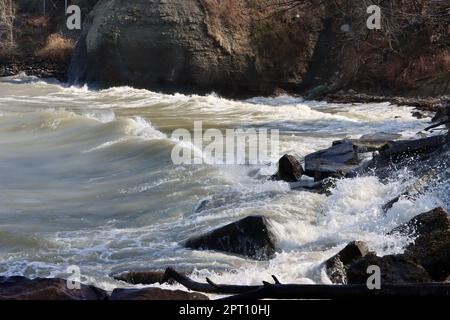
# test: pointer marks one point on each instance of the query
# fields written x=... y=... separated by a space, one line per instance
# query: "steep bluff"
x=190 y=45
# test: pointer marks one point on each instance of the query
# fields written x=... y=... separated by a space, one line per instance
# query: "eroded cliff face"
x=190 y=45
x=249 y=47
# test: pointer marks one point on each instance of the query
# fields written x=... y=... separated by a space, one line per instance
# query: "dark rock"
x=399 y=150
x=419 y=115
x=412 y=191
x=432 y=251
x=394 y=269
x=335 y=161
x=431 y=247
x=141 y=277
x=250 y=237
x=289 y=169
x=175 y=46
x=442 y=114
x=155 y=294
x=336 y=266
x=21 y=288
x=323 y=186
x=436 y=220
x=370 y=142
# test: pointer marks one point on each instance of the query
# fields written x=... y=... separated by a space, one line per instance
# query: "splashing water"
x=86 y=179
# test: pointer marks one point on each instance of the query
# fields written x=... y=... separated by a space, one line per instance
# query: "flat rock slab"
x=399 y=150
x=21 y=288
x=155 y=294
x=249 y=237
x=337 y=160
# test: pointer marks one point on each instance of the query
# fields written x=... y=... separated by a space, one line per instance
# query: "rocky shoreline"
x=44 y=69
x=425 y=261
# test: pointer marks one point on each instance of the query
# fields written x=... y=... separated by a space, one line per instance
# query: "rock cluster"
x=426 y=259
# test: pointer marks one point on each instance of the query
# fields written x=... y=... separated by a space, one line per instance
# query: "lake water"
x=86 y=179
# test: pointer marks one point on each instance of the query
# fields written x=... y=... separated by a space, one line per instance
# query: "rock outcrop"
x=431 y=247
x=249 y=237
x=172 y=45
x=337 y=266
x=21 y=288
x=394 y=269
x=289 y=169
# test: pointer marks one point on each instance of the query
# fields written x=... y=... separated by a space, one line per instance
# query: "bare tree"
x=6 y=23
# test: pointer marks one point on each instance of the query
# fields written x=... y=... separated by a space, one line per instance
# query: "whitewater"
x=86 y=179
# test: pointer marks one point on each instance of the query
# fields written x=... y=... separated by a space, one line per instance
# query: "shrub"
x=56 y=48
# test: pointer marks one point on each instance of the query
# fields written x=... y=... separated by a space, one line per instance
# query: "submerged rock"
x=249 y=237
x=21 y=288
x=289 y=169
x=155 y=294
x=393 y=268
x=431 y=247
x=336 y=266
x=141 y=277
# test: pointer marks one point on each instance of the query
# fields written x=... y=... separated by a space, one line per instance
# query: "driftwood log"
x=278 y=290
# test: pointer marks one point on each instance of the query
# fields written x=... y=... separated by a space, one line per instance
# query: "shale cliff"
x=248 y=47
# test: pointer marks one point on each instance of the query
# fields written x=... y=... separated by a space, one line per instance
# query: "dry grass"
x=56 y=48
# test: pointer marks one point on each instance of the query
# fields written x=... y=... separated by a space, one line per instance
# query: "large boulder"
x=21 y=288
x=289 y=169
x=249 y=237
x=398 y=151
x=394 y=269
x=336 y=267
x=155 y=294
x=431 y=247
x=190 y=46
x=336 y=161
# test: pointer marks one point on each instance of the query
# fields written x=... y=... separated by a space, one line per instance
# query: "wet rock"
x=432 y=251
x=415 y=189
x=335 y=161
x=442 y=114
x=394 y=269
x=289 y=169
x=249 y=237
x=419 y=115
x=155 y=294
x=431 y=247
x=436 y=220
x=323 y=186
x=370 y=142
x=336 y=266
x=141 y=277
x=21 y=288
x=400 y=150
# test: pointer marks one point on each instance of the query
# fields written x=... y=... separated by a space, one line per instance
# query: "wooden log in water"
x=308 y=291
